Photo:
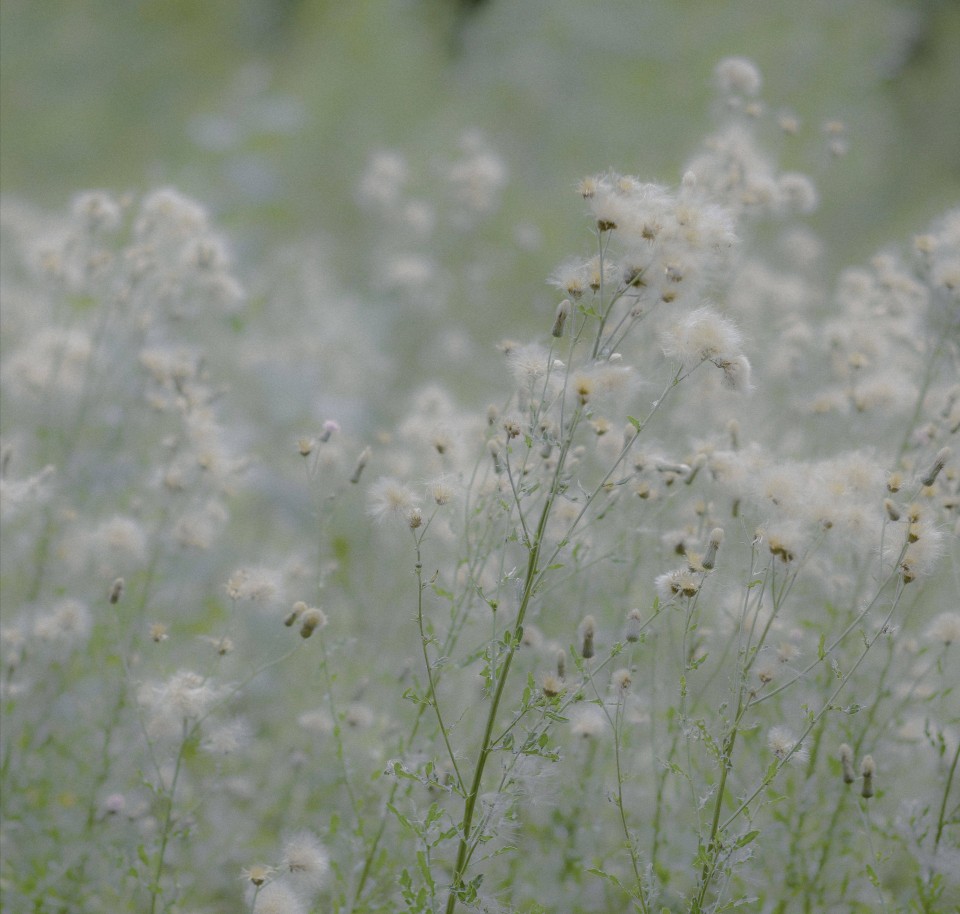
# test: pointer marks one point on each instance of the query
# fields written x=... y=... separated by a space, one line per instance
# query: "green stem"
x=486 y=744
x=434 y=702
x=167 y=821
x=706 y=874
x=942 y=818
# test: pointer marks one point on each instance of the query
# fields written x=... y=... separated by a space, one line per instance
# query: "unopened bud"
x=699 y=462
x=329 y=427
x=716 y=538
x=362 y=461
x=584 y=388
x=846 y=764
x=939 y=462
x=299 y=608
x=867 y=771
x=495 y=445
x=587 y=631
x=560 y=317
x=733 y=430
x=116 y=590
x=562 y=663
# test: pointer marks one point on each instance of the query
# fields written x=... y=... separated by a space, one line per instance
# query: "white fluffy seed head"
x=389 y=498
x=738 y=76
x=700 y=335
x=306 y=861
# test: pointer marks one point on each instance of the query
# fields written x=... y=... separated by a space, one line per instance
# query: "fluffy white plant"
x=669 y=625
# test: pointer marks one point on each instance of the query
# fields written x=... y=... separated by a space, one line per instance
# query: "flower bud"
x=939 y=462
x=329 y=428
x=495 y=445
x=362 y=461
x=560 y=317
x=716 y=538
x=867 y=771
x=846 y=764
x=634 y=627
x=299 y=608
x=587 y=630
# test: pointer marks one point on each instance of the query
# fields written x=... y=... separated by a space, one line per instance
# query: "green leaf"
x=433 y=814
x=747 y=838
x=403 y=819
x=603 y=874
x=424 y=868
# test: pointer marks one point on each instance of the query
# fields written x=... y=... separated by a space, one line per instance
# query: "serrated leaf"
x=603 y=874
x=402 y=818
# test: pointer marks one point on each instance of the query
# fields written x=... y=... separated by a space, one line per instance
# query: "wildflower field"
x=389 y=572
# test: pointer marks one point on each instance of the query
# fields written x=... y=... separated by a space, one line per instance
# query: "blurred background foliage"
x=267 y=111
